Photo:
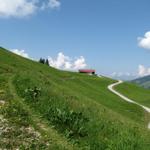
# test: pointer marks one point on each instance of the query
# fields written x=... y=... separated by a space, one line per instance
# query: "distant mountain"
x=144 y=81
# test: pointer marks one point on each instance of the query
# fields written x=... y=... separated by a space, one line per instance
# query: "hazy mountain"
x=144 y=81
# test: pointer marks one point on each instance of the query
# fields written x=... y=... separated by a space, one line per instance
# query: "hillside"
x=44 y=108
x=144 y=82
x=135 y=92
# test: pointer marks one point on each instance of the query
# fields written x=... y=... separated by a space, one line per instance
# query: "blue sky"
x=104 y=32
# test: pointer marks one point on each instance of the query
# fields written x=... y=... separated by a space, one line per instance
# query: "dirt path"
x=111 y=88
x=42 y=125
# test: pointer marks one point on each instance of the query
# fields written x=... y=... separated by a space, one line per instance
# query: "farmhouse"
x=87 y=71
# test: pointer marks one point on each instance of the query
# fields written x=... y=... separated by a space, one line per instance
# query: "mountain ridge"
x=143 y=81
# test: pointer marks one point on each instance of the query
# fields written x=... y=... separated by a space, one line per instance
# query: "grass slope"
x=135 y=92
x=44 y=108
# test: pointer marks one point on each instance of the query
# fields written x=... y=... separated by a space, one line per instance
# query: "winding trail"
x=111 y=88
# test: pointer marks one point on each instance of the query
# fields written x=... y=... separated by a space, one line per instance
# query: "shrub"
x=32 y=93
x=70 y=122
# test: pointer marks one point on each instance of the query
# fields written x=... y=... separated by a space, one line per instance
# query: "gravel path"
x=111 y=88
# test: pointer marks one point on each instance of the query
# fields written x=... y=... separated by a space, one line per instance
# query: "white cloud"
x=144 y=42
x=20 y=52
x=61 y=61
x=54 y=4
x=80 y=63
x=17 y=8
x=143 y=71
x=120 y=74
x=22 y=8
x=67 y=63
x=123 y=75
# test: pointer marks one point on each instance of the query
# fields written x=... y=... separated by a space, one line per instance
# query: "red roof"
x=87 y=70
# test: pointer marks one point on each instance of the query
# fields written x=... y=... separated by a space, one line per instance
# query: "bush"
x=32 y=93
x=70 y=122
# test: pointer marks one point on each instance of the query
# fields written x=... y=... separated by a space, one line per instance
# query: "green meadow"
x=135 y=92
x=45 y=108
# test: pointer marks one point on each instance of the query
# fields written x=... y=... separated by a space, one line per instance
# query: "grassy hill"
x=144 y=82
x=135 y=92
x=44 y=108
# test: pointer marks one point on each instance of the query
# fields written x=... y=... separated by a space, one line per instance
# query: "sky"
x=110 y=36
